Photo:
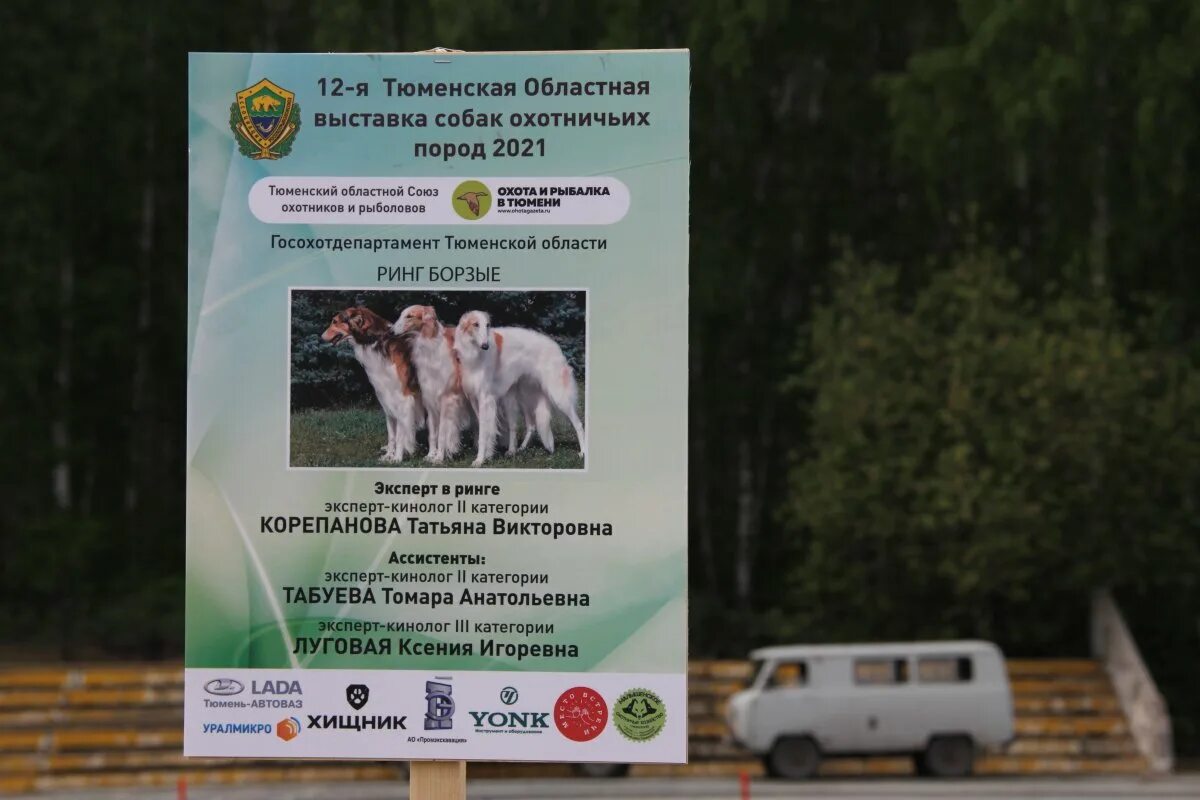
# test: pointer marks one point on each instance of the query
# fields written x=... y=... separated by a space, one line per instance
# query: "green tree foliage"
x=979 y=460
x=1069 y=129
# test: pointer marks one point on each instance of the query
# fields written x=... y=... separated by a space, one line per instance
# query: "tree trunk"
x=1101 y=227
x=746 y=527
x=1026 y=219
x=698 y=467
x=60 y=426
x=62 y=473
x=138 y=433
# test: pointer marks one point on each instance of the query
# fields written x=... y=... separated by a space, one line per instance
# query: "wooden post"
x=437 y=780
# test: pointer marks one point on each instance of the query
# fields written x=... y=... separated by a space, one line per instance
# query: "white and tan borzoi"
x=439 y=376
x=514 y=366
x=386 y=360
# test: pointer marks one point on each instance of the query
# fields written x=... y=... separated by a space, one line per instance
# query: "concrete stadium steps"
x=89 y=717
x=64 y=678
x=94 y=760
x=92 y=698
x=266 y=772
x=94 y=726
x=1033 y=705
x=122 y=726
x=77 y=740
x=1068 y=720
x=898 y=767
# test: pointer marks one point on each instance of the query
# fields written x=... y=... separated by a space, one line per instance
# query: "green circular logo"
x=639 y=715
x=472 y=200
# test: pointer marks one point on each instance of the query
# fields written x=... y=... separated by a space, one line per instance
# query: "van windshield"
x=756 y=671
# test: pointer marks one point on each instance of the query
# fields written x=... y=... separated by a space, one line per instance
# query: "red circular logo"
x=580 y=714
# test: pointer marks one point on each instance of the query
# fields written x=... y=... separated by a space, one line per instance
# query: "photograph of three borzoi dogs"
x=419 y=379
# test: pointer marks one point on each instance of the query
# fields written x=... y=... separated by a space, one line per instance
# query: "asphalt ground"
x=697 y=789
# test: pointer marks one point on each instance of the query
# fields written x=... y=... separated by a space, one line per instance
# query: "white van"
x=939 y=701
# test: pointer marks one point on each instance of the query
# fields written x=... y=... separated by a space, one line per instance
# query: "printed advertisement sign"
x=437 y=406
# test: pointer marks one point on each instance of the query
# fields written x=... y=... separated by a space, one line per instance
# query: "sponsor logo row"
x=580 y=713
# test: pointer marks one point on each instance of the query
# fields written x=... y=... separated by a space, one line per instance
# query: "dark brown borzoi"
x=387 y=360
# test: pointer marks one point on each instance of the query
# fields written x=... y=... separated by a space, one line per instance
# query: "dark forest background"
x=944 y=329
x=328 y=376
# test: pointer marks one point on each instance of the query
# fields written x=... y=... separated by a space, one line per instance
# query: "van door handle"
x=872 y=723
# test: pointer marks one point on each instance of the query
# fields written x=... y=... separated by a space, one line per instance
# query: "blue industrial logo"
x=439 y=705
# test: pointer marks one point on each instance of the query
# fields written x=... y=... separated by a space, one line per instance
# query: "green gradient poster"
x=437 y=406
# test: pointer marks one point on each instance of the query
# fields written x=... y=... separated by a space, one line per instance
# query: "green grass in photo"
x=354 y=437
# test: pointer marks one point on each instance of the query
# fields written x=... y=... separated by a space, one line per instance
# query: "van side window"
x=789 y=674
x=945 y=669
x=880 y=671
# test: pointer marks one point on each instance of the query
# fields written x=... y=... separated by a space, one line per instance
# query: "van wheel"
x=949 y=756
x=793 y=757
x=597 y=770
